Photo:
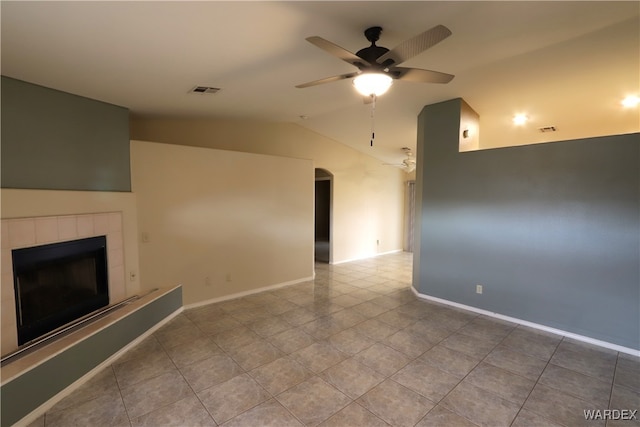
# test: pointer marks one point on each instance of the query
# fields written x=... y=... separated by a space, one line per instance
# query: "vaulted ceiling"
x=563 y=64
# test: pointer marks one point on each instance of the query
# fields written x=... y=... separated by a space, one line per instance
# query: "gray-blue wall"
x=552 y=231
x=55 y=140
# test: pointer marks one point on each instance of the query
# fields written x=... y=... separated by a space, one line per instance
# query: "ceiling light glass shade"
x=369 y=84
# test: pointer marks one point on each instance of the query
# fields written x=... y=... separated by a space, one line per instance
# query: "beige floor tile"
x=194 y=351
x=178 y=336
x=313 y=401
x=422 y=378
x=369 y=309
x=514 y=361
x=255 y=354
x=396 y=404
x=576 y=384
x=143 y=367
x=441 y=417
x=208 y=372
x=268 y=414
x=410 y=344
x=628 y=372
x=471 y=346
x=504 y=384
x=354 y=415
x=352 y=378
x=280 y=375
x=235 y=338
x=218 y=325
x=383 y=359
x=350 y=342
x=298 y=316
x=480 y=407
x=105 y=410
x=231 y=398
x=450 y=361
x=375 y=329
x=291 y=340
x=268 y=327
x=527 y=418
x=154 y=393
x=559 y=407
x=185 y=412
x=532 y=342
x=319 y=356
x=601 y=366
x=393 y=318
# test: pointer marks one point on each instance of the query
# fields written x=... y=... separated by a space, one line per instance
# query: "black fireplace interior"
x=58 y=283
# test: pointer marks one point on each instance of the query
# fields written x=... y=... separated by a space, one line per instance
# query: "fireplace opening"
x=58 y=283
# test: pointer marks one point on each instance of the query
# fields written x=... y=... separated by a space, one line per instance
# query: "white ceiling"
x=564 y=64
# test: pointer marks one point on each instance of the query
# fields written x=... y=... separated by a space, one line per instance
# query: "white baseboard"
x=249 y=292
x=395 y=251
x=533 y=325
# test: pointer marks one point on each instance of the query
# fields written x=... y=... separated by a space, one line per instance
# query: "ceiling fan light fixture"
x=372 y=84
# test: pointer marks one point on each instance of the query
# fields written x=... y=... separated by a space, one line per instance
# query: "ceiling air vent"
x=204 y=89
x=548 y=129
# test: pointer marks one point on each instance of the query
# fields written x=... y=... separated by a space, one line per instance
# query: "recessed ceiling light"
x=520 y=119
x=631 y=101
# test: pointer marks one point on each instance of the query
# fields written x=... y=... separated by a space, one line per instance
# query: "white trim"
x=249 y=292
x=395 y=251
x=555 y=331
x=40 y=410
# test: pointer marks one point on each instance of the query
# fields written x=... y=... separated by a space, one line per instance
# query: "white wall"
x=367 y=196
x=221 y=222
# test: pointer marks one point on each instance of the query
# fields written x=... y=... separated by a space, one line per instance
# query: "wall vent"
x=204 y=89
x=548 y=129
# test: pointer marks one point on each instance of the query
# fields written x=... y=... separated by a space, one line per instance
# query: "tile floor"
x=354 y=347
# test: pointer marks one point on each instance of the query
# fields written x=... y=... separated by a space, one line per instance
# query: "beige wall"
x=221 y=222
x=367 y=203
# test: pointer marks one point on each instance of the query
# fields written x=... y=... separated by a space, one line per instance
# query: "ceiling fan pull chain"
x=373 y=110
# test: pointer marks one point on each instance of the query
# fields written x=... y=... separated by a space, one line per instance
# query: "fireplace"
x=58 y=283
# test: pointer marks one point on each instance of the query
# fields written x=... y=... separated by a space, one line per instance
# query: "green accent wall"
x=59 y=141
x=552 y=231
x=27 y=392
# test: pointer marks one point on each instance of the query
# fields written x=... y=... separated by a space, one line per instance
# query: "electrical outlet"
x=228 y=278
x=378 y=242
x=145 y=237
x=132 y=276
x=478 y=289
x=207 y=281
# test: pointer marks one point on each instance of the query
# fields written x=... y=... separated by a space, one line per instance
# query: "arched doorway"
x=323 y=189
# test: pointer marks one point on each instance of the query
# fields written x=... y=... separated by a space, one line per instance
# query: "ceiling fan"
x=381 y=64
x=408 y=164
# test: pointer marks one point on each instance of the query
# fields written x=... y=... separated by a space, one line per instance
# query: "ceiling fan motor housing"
x=373 y=52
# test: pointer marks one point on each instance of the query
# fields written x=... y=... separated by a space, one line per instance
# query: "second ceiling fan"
x=379 y=64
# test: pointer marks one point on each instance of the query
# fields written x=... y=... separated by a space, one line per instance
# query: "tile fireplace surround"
x=26 y=232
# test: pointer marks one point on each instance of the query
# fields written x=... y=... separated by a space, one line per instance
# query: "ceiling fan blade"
x=337 y=51
x=413 y=46
x=327 y=80
x=420 y=76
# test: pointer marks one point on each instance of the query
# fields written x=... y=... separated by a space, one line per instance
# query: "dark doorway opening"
x=323 y=216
